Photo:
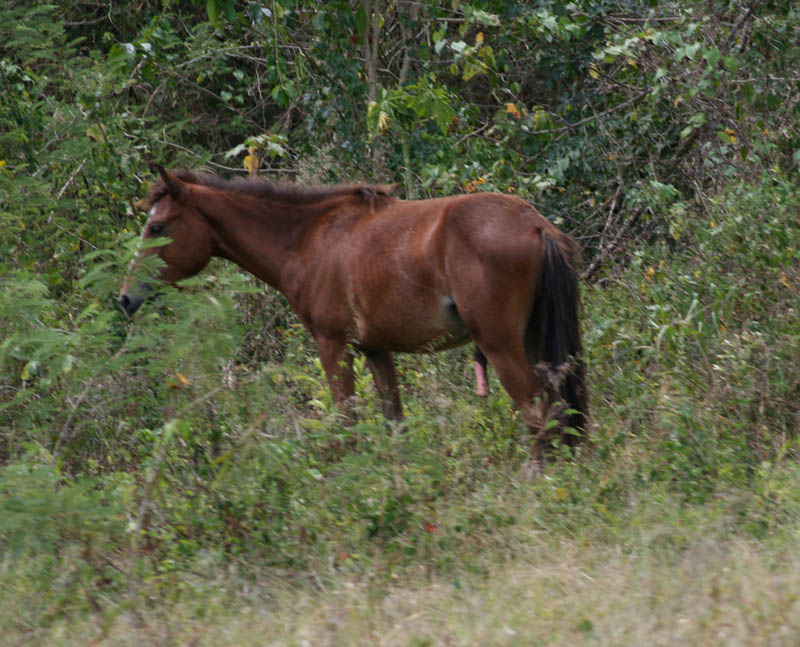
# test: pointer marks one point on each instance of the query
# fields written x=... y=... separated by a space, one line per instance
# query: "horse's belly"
x=404 y=339
x=407 y=327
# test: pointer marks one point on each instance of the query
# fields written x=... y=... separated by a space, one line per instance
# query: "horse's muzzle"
x=131 y=301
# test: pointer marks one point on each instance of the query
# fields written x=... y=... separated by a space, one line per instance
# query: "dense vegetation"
x=183 y=478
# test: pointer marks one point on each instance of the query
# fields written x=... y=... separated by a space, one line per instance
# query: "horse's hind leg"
x=381 y=363
x=515 y=373
x=498 y=329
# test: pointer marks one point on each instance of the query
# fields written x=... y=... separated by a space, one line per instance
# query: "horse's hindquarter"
x=413 y=269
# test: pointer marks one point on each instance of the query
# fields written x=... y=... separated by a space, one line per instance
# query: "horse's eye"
x=157 y=230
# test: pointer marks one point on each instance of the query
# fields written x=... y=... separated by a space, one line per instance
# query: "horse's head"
x=172 y=214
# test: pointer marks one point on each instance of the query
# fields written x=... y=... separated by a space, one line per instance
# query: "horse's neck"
x=258 y=235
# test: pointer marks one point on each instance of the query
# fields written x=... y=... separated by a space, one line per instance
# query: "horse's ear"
x=172 y=183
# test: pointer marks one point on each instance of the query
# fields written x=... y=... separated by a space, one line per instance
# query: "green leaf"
x=711 y=55
x=361 y=19
x=213 y=9
x=229 y=10
x=258 y=13
x=730 y=63
x=458 y=46
x=482 y=17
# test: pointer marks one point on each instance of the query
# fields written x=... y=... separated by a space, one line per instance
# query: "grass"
x=670 y=575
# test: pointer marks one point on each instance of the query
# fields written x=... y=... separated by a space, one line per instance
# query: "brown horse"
x=370 y=272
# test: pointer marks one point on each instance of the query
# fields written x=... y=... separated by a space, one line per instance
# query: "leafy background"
x=162 y=485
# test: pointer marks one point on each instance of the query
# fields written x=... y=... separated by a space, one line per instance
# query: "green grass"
x=661 y=573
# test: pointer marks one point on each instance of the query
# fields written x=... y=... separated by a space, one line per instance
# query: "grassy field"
x=662 y=573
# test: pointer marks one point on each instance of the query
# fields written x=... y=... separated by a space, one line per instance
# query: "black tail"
x=553 y=335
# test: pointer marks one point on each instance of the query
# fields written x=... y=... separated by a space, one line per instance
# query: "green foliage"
x=39 y=511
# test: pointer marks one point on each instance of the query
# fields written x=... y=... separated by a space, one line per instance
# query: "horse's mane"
x=262 y=188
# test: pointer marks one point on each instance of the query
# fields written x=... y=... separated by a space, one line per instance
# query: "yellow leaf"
x=383 y=122
x=479 y=39
x=513 y=111
x=2 y=163
x=593 y=72
x=785 y=280
x=252 y=161
x=183 y=379
x=27 y=369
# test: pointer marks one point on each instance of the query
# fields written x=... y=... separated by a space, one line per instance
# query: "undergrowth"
x=112 y=502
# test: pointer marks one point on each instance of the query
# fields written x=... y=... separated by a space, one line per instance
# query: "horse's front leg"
x=381 y=363
x=338 y=364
